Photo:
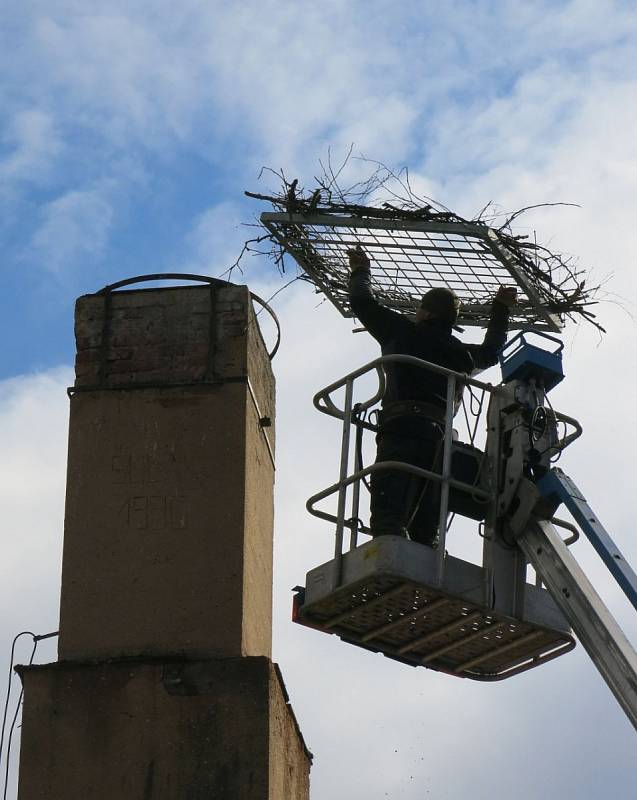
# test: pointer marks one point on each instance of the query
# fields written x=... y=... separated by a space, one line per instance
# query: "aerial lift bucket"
x=419 y=605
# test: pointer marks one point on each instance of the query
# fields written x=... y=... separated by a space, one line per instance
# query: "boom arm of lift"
x=596 y=628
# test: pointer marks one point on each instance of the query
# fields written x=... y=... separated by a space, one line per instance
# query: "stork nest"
x=415 y=243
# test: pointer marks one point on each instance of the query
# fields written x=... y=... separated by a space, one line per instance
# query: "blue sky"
x=127 y=136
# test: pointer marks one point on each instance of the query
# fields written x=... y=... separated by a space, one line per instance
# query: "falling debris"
x=416 y=244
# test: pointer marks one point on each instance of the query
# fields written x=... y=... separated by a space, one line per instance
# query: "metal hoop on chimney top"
x=186 y=276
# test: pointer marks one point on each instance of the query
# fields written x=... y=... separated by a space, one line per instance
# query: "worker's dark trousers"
x=402 y=502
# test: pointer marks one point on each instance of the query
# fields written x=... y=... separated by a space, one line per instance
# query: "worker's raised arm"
x=486 y=354
x=381 y=322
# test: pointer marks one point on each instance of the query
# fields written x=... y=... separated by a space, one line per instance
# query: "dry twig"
x=388 y=195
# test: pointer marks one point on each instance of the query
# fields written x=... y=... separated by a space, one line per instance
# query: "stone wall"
x=196 y=731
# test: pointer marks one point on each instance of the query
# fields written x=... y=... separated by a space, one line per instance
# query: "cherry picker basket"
x=419 y=605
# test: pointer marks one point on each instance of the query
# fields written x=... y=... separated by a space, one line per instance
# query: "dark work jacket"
x=430 y=340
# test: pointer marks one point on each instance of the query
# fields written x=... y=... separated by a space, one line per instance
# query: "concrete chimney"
x=164 y=685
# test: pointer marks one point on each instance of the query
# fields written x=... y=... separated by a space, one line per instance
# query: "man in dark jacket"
x=413 y=407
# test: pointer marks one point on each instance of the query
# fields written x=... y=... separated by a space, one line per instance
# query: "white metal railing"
x=324 y=402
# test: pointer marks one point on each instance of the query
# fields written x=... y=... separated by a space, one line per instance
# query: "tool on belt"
x=411 y=408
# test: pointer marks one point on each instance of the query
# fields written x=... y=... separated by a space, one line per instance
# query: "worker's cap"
x=442 y=303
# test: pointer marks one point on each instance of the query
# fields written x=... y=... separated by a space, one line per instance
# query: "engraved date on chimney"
x=156 y=485
x=154 y=512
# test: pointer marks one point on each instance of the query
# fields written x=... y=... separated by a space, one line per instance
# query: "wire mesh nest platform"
x=410 y=256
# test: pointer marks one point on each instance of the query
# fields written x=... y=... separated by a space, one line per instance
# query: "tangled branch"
x=387 y=195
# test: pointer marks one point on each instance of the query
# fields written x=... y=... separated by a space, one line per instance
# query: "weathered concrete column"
x=164 y=685
x=168 y=530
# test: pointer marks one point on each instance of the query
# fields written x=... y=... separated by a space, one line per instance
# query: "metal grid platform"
x=410 y=257
x=423 y=626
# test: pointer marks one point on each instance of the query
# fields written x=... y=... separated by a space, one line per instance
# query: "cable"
x=477 y=413
x=466 y=417
x=6 y=708
x=359 y=417
x=558 y=446
x=8 y=697
x=36 y=640
x=12 y=728
x=475 y=409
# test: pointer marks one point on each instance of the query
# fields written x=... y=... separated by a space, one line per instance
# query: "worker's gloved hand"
x=507 y=295
x=358 y=259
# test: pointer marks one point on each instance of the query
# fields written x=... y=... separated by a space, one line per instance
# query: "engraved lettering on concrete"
x=154 y=512
x=149 y=468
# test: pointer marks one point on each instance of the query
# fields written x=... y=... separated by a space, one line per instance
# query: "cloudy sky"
x=128 y=134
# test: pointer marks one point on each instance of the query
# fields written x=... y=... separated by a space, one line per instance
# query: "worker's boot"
x=428 y=539
x=394 y=530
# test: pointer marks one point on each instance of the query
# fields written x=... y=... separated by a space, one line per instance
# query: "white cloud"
x=216 y=240
x=33 y=425
x=32 y=145
x=121 y=74
x=74 y=226
x=286 y=77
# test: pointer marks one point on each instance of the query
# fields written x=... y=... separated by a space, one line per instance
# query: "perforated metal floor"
x=422 y=626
